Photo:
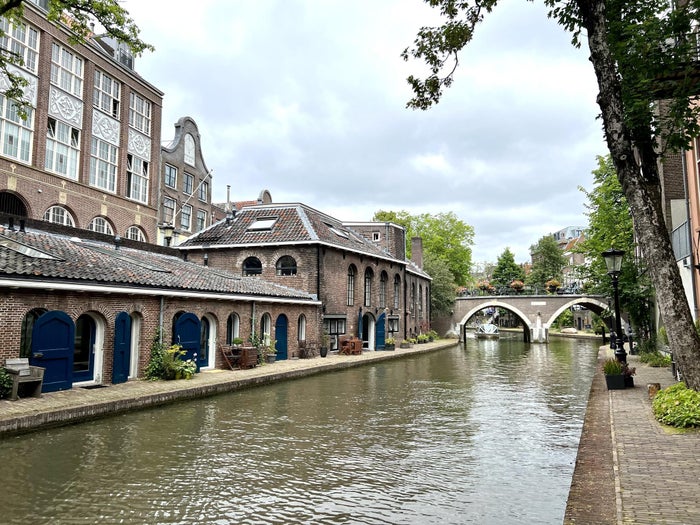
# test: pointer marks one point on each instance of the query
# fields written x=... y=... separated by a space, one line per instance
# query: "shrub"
x=655 y=359
x=677 y=406
x=167 y=363
x=612 y=367
x=5 y=383
x=389 y=341
x=663 y=336
x=433 y=335
x=154 y=369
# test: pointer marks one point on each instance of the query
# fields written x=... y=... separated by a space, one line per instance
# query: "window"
x=135 y=234
x=103 y=165
x=140 y=114
x=420 y=302
x=413 y=299
x=397 y=292
x=188 y=187
x=233 y=328
x=252 y=266
x=59 y=215
x=368 y=286
x=23 y=41
x=106 y=94
x=335 y=326
x=382 y=289
x=263 y=223
x=168 y=210
x=265 y=331
x=204 y=191
x=16 y=133
x=186 y=217
x=352 y=272
x=66 y=70
x=393 y=323
x=100 y=225
x=62 y=148
x=301 y=328
x=376 y=236
x=136 y=178
x=201 y=220
x=286 y=265
x=189 y=150
x=170 y=176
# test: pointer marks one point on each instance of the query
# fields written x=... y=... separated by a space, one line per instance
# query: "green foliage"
x=444 y=235
x=109 y=14
x=547 y=262
x=443 y=290
x=663 y=335
x=612 y=367
x=154 y=369
x=422 y=338
x=237 y=341
x=166 y=362
x=677 y=406
x=655 y=359
x=507 y=270
x=5 y=383
x=565 y=319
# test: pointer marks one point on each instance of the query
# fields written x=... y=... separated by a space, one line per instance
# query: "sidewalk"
x=631 y=469
x=80 y=404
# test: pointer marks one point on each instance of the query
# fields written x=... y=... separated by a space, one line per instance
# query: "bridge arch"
x=489 y=302
x=595 y=305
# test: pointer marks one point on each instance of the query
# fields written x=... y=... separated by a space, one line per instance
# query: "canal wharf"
x=82 y=404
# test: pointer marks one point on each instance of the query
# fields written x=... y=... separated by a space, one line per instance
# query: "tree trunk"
x=640 y=183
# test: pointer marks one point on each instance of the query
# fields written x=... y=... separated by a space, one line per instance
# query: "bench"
x=26 y=380
x=351 y=346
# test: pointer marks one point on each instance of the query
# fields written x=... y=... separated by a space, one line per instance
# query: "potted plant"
x=517 y=285
x=389 y=343
x=405 y=344
x=325 y=342
x=236 y=342
x=422 y=338
x=269 y=352
x=627 y=373
x=614 y=379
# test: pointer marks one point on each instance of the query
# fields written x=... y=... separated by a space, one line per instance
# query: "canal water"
x=485 y=433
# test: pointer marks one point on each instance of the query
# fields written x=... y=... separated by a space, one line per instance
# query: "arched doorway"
x=381 y=331
x=187 y=333
x=122 y=348
x=281 y=325
x=368 y=331
x=207 y=342
x=53 y=337
x=84 y=349
x=11 y=204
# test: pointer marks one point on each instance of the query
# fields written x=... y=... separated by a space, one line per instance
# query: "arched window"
x=383 y=279
x=135 y=234
x=59 y=215
x=252 y=266
x=286 y=265
x=352 y=272
x=189 y=149
x=369 y=275
x=25 y=345
x=233 y=328
x=101 y=225
x=420 y=302
x=265 y=330
x=413 y=299
x=397 y=291
x=301 y=328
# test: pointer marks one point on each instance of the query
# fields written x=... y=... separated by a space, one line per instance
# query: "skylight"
x=18 y=247
x=339 y=233
x=262 y=224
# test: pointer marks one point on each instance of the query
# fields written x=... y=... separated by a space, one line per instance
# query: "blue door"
x=203 y=356
x=84 y=349
x=122 y=348
x=281 y=337
x=381 y=329
x=186 y=333
x=53 y=337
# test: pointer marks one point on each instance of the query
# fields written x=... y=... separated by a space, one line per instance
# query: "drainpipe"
x=252 y=319
x=690 y=233
x=160 y=319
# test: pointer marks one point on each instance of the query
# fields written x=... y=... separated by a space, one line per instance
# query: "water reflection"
x=482 y=434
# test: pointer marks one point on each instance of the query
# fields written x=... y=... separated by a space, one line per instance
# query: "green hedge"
x=677 y=406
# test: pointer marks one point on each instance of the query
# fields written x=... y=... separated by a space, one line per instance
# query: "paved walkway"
x=631 y=469
x=80 y=404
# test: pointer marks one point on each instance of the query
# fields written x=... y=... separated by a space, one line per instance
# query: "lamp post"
x=168 y=230
x=613 y=261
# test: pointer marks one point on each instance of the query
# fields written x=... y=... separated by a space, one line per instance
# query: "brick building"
x=358 y=271
x=86 y=156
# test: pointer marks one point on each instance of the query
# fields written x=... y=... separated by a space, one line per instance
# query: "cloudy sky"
x=306 y=98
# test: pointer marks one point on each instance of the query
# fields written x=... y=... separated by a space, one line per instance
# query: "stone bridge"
x=536 y=312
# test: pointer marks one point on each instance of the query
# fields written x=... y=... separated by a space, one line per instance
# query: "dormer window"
x=338 y=232
x=263 y=224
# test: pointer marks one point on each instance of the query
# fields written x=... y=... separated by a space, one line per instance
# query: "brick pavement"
x=631 y=469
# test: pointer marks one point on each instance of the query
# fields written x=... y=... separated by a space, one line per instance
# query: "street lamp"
x=613 y=260
x=168 y=230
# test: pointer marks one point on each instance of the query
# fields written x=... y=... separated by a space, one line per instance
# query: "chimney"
x=417 y=251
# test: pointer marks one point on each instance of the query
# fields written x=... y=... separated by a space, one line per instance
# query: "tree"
x=444 y=236
x=641 y=52
x=547 y=262
x=79 y=16
x=610 y=225
x=443 y=289
x=506 y=270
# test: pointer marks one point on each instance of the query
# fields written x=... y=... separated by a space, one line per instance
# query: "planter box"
x=389 y=347
x=616 y=382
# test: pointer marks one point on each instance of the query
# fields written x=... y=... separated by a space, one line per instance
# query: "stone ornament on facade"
x=105 y=128
x=65 y=107
x=139 y=145
x=29 y=91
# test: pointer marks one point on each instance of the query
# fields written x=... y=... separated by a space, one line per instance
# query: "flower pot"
x=389 y=347
x=270 y=358
x=324 y=351
x=615 y=382
x=629 y=381
x=405 y=345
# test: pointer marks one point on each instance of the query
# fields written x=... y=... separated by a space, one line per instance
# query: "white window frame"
x=201 y=220
x=186 y=217
x=23 y=40
x=66 y=70
x=170 y=172
x=135 y=234
x=59 y=215
x=140 y=113
x=103 y=165
x=189 y=150
x=187 y=183
x=203 y=191
x=137 y=178
x=101 y=225
x=16 y=134
x=106 y=94
x=62 y=148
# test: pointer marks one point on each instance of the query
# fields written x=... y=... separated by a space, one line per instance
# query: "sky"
x=307 y=99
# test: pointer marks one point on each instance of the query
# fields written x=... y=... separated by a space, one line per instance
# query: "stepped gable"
x=39 y=255
x=288 y=224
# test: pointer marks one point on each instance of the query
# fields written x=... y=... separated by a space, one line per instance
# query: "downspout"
x=690 y=233
x=252 y=319
x=160 y=320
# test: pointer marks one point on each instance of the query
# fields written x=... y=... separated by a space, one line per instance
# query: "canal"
x=485 y=433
